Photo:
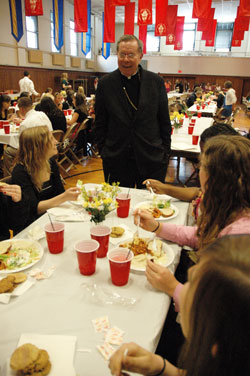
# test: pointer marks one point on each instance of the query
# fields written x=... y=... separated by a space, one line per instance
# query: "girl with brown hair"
x=37 y=173
x=215 y=311
x=225 y=208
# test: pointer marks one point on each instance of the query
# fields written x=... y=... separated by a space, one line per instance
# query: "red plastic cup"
x=172 y=130
x=123 y=200
x=55 y=237
x=1 y=124
x=86 y=256
x=195 y=139
x=6 y=127
x=119 y=265
x=14 y=104
x=192 y=122
x=203 y=106
x=101 y=234
x=199 y=114
x=186 y=116
x=190 y=129
x=198 y=107
x=65 y=112
x=70 y=112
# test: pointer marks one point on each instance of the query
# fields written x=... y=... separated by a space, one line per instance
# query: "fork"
x=136 y=233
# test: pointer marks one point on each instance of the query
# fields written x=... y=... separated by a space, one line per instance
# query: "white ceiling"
x=97 y=6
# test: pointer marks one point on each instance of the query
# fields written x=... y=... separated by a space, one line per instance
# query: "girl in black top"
x=79 y=115
x=37 y=173
x=4 y=106
x=55 y=115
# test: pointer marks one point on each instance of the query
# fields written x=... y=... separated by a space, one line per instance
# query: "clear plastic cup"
x=119 y=263
x=101 y=234
x=86 y=251
x=55 y=237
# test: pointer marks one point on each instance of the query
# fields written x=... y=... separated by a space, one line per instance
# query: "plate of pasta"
x=145 y=249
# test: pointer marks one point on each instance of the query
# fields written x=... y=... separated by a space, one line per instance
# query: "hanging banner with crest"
x=145 y=12
x=171 y=24
x=33 y=8
x=160 y=17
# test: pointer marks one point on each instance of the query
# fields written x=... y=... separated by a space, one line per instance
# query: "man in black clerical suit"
x=132 y=125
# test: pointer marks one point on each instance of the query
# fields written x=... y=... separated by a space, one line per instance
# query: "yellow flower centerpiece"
x=100 y=201
x=177 y=119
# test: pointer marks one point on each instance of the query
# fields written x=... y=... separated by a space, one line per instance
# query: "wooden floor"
x=90 y=171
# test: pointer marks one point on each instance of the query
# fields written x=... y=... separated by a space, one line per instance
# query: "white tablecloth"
x=11 y=139
x=60 y=305
x=211 y=109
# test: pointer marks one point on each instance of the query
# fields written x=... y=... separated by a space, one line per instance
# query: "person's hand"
x=134 y=358
x=161 y=278
x=147 y=221
x=157 y=186
x=71 y=194
x=14 y=191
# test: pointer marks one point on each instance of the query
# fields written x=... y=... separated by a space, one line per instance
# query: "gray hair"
x=128 y=38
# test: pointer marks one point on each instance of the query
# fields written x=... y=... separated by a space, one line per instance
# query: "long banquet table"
x=61 y=305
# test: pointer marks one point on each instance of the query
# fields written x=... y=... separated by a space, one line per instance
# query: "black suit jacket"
x=147 y=131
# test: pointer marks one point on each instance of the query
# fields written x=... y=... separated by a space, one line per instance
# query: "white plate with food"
x=148 y=249
x=19 y=254
x=161 y=209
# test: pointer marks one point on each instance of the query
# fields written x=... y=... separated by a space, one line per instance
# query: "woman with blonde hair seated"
x=37 y=173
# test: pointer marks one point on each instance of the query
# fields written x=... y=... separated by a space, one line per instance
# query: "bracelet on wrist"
x=163 y=368
x=158 y=225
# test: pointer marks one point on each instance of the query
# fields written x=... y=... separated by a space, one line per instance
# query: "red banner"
x=33 y=8
x=207 y=32
x=171 y=23
x=241 y=23
x=160 y=17
x=237 y=37
x=244 y=8
x=143 y=36
x=203 y=22
x=144 y=12
x=201 y=9
x=81 y=16
x=109 y=22
x=179 y=33
x=129 y=19
x=119 y=2
x=211 y=35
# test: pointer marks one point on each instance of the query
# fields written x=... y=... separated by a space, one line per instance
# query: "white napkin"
x=62 y=214
x=36 y=233
x=184 y=146
x=19 y=290
x=61 y=351
x=128 y=234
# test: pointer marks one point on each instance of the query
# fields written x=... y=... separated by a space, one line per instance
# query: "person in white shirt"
x=26 y=84
x=32 y=118
x=230 y=99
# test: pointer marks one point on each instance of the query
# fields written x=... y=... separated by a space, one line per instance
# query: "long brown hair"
x=33 y=146
x=227 y=192
x=218 y=335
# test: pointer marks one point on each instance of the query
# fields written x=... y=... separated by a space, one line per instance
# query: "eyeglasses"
x=129 y=56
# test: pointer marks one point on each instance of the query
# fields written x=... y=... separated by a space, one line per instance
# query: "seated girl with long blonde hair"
x=37 y=173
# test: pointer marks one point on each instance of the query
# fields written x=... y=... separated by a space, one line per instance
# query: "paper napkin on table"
x=62 y=214
x=18 y=291
x=36 y=233
x=61 y=350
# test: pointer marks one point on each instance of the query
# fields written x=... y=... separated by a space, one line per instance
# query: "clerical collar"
x=129 y=77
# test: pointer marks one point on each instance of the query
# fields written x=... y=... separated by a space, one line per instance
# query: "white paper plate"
x=23 y=243
x=147 y=204
x=165 y=247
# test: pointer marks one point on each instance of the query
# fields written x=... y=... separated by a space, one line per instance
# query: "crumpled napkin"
x=18 y=291
x=39 y=274
x=36 y=233
x=128 y=234
x=62 y=214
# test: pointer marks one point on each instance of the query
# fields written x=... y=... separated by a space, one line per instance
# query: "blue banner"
x=86 y=37
x=58 y=23
x=16 y=19
x=105 y=46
